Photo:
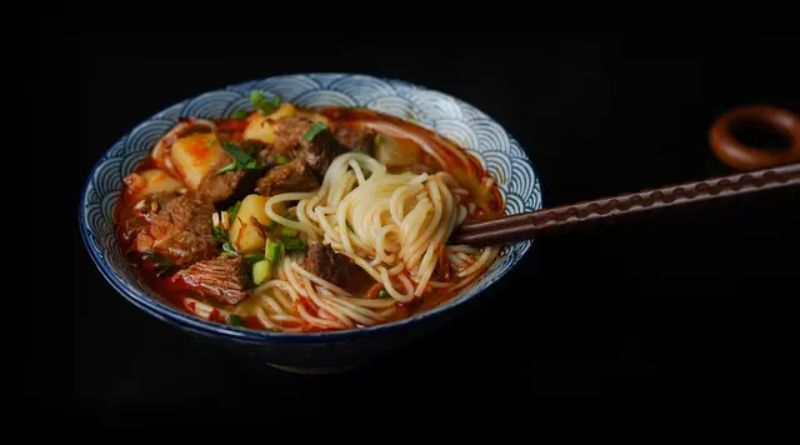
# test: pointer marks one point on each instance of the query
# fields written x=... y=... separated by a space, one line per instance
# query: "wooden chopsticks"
x=523 y=226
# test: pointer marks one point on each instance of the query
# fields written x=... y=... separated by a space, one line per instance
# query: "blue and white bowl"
x=461 y=122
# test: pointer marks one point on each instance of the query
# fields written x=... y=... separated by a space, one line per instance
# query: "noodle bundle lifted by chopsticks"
x=393 y=226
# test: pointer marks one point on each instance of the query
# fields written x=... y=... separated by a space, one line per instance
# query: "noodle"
x=393 y=226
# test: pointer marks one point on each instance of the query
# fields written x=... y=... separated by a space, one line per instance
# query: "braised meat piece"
x=222 y=278
x=309 y=159
x=320 y=151
x=252 y=146
x=178 y=227
x=229 y=187
x=296 y=176
x=323 y=262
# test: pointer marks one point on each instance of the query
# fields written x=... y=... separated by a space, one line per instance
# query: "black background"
x=686 y=321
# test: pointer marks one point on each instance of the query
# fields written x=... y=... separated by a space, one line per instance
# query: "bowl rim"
x=169 y=314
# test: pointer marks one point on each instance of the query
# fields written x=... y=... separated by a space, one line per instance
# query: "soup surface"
x=301 y=220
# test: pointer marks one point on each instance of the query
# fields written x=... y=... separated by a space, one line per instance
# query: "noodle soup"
x=301 y=220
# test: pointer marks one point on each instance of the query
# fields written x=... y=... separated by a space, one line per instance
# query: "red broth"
x=466 y=169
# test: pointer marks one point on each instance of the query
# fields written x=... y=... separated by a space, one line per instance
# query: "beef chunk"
x=317 y=153
x=252 y=146
x=296 y=176
x=222 y=278
x=289 y=134
x=220 y=188
x=177 y=227
x=354 y=138
x=320 y=152
x=323 y=262
x=229 y=187
x=309 y=160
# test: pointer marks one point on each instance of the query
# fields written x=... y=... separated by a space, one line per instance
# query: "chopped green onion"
x=240 y=156
x=271 y=224
x=161 y=265
x=256 y=97
x=314 y=131
x=220 y=235
x=281 y=159
x=250 y=165
x=228 y=168
x=289 y=232
x=273 y=251
x=383 y=294
x=233 y=210
x=266 y=108
x=234 y=320
x=229 y=249
x=261 y=103
x=252 y=258
x=240 y=115
x=262 y=271
x=294 y=245
x=241 y=160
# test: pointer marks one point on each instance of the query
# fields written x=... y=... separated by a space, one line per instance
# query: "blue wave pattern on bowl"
x=497 y=151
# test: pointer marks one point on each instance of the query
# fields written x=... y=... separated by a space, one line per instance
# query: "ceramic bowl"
x=326 y=351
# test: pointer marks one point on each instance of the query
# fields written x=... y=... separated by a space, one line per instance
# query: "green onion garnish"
x=241 y=160
x=233 y=210
x=383 y=294
x=240 y=115
x=273 y=252
x=289 y=232
x=220 y=234
x=261 y=272
x=294 y=245
x=314 y=131
x=256 y=97
x=261 y=103
x=228 y=168
x=234 y=320
x=252 y=258
x=229 y=249
x=281 y=159
x=240 y=156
